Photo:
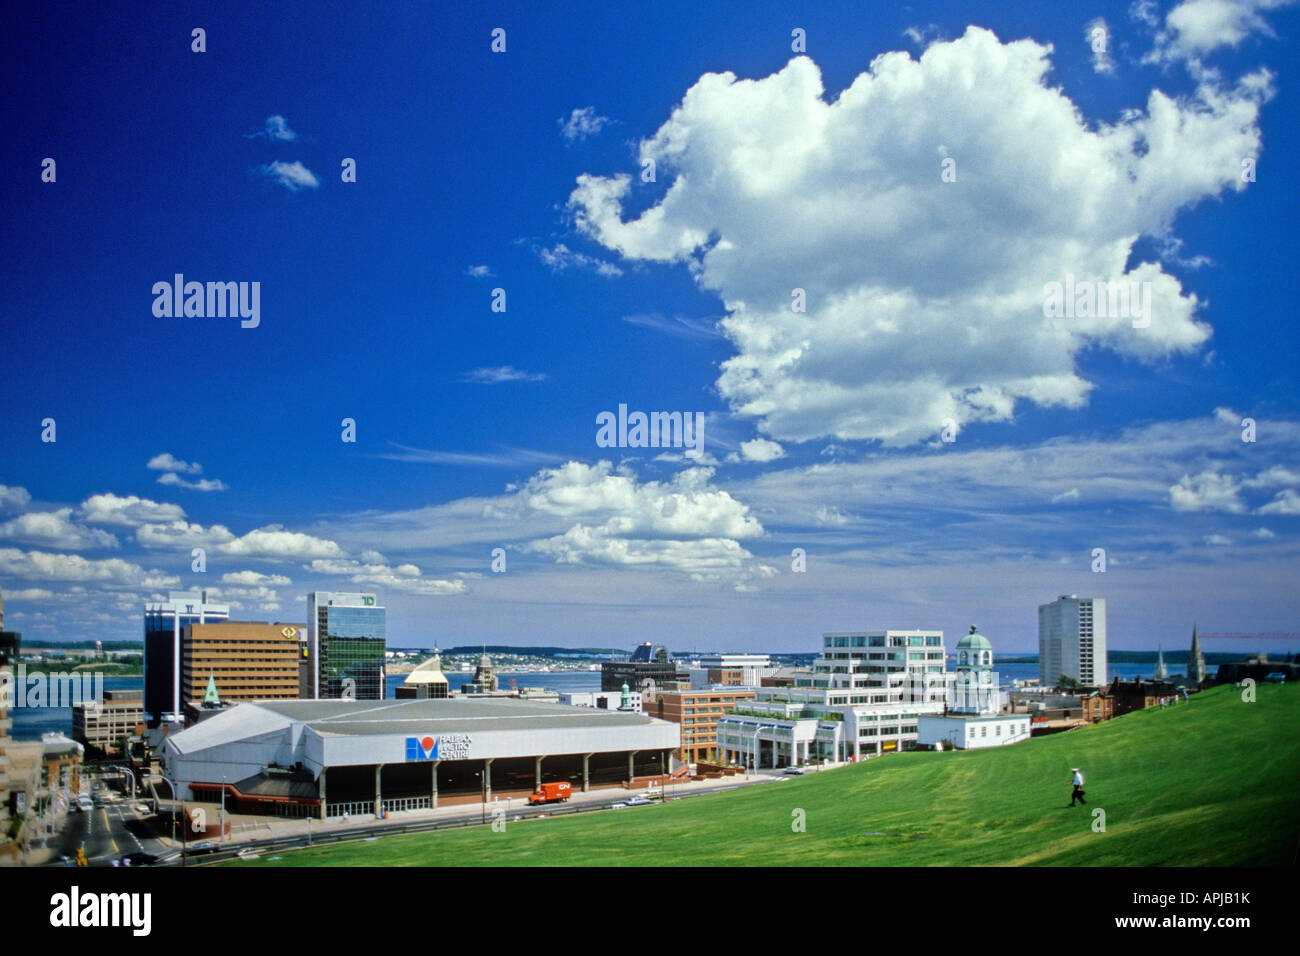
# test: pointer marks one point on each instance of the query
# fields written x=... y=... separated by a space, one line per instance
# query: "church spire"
x=210 y=696
x=1196 y=660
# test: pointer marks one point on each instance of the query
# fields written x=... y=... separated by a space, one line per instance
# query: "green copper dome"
x=974 y=641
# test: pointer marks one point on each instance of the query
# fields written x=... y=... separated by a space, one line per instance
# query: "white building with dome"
x=973 y=718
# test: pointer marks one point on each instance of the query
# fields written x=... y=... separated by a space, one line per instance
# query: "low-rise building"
x=1138 y=694
x=426 y=681
x=783 y=676
x=102 y=725
x=1258 y=669
x=370 y=757
x=1097 y=705
x=732 y=670
x=60 y=763
x=863 y=697
x=602 y=700
x=698 y=713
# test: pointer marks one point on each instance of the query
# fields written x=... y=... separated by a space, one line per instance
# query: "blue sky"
x=774 y=170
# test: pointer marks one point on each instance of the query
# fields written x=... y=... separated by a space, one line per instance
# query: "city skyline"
x=843 y=248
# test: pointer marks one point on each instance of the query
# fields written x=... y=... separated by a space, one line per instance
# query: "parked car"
x=794 y=771
x=638 y=801
x=618 y=806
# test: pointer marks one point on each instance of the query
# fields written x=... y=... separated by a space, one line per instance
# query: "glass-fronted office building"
x=347 y=637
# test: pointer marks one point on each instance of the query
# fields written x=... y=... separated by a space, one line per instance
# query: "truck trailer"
x=551 y=793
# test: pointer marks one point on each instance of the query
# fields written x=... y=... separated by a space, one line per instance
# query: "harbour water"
x=29 y=723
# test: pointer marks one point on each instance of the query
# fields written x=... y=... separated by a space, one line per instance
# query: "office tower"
x=347 y=637
x=247 y=660
x=647 y=663
x=1072 y=640
x=163 y=624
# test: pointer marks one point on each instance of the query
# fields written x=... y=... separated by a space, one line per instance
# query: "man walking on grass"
x=1077 y=780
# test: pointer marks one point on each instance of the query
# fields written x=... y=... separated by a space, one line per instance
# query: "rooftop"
x=363 y=718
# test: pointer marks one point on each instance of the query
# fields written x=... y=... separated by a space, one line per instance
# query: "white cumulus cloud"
x=760 y=449
x=54 y=529
x=923 y=298
x=1208 y=491
x=127 y=510
x=1197 y=27
x=14 y=498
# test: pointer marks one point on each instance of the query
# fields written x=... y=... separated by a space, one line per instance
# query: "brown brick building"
x=1097 y=706
x=697 y=711
x=248 y=660
x=1139 y=694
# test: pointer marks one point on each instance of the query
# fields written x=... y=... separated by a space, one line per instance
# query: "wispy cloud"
x=680 y=326
x=173 y=467
x=508 y=458
x=292 y=176
x=498 y=374
x=203 y=484
x=479 y=272
x=166 y=461
x=923 y=36
x=276 y=130
x=561 y=257
x=582 y=123
x=1097 y=36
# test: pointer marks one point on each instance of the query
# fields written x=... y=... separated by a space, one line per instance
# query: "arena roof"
x=366 y=718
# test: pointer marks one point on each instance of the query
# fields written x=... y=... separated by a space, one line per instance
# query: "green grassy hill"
x=1214 y=782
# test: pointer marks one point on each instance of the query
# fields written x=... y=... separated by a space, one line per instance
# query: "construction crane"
x=1253 y=635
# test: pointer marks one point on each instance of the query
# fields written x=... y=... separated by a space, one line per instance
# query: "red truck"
x=551 y=793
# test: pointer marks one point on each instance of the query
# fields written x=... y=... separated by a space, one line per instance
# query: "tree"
x=1065 y=682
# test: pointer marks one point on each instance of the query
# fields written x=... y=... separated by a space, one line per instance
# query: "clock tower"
x=975 y=691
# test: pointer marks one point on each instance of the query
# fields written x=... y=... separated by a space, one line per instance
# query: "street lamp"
x=130 y=773
x=184 y=835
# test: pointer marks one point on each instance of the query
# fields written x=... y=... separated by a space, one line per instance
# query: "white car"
x=618 y=806
x=794 y=771
x=638 y=801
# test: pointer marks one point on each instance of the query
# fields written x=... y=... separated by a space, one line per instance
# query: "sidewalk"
x=265 y=828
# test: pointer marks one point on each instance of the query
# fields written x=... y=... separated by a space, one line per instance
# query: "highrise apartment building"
x=1072 y=640
x=346 y=638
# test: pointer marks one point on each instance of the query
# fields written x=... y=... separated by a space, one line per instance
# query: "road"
x=110 y=831
x=107 y=833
